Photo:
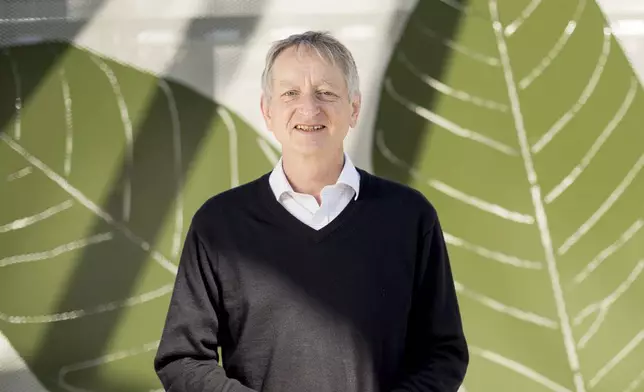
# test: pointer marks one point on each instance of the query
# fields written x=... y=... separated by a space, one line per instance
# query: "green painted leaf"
x=102 y=167
x=521 y=120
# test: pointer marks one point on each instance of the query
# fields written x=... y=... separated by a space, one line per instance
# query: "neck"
x=309 y=174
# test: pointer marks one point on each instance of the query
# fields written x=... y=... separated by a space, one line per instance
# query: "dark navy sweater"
x=366 y=304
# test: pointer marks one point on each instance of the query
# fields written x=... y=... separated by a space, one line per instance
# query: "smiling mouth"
x=309 y=128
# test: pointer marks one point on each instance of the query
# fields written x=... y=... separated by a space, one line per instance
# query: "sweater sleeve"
x=436 y=354
x=187 y=357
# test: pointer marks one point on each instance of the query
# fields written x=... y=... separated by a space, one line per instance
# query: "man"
x=317 y=276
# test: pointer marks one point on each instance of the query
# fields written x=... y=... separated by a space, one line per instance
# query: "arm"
x=187 y=358
x=436 y=354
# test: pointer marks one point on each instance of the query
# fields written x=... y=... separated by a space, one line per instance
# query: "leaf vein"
x=85 y=201
x=491 y=254
x=445 y=123
x=30 y=220
x=522 y=18
x=19 y=174
x=127 y=127
x=606 y=205
x=630 y=346
x=518 y=368
x=65 y=370
x=583 y=98
x=480 y=57
x=57 y=251
x=79 y=313
x=17 y=132
x=599 y=142
x=178 y=169
x=556 y=49
x=449 y=190
x=232 y=139
x=447 y=90
x=603 y=255
x=602 y=307
x=535 y=190
x=506 y=309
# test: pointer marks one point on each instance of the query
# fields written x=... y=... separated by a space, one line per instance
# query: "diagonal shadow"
x=421 y=44
x=26 y=23
x=152 y=175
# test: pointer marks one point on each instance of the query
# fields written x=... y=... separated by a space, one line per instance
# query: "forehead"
x=295 y=64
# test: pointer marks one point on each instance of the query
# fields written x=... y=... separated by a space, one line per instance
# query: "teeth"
x=309 y=128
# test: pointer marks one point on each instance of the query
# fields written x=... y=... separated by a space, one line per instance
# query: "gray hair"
x=326 y=46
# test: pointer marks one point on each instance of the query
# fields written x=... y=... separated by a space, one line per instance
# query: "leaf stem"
x=537 y=201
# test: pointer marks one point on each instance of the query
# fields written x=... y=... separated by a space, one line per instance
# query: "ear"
x=355 y=110
x=263 y=105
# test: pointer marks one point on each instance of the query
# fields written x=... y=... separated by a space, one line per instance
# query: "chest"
x=282 y=286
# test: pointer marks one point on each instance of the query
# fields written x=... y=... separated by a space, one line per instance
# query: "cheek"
x=282 y=114
x=341 y=115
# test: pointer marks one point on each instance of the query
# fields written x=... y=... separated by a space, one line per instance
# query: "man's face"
x=309 y=110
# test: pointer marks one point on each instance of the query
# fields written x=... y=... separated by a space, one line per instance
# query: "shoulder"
x=403 y=198
x=218 y=208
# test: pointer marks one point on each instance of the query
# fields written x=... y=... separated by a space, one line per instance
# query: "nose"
x=308 y=105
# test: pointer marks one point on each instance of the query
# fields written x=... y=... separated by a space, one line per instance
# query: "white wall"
x=627 y=21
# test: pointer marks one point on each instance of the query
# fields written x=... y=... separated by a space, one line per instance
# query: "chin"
x=308 y=150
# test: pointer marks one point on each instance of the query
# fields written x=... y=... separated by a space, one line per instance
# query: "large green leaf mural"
x=523 y=122
x=102 y=167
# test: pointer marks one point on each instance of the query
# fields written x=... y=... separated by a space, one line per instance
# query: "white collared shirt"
x=334 y=198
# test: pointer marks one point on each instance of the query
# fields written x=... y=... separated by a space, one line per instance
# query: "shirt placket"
x=329 y=198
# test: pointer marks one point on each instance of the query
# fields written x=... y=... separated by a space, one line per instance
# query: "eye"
x=290 y=93
x=327 y=93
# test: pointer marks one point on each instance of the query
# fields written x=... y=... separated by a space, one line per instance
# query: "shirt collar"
x=348 y=176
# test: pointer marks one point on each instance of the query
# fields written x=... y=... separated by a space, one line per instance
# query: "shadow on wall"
x=138 y=143
x=135 y=141
x=422 y=43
